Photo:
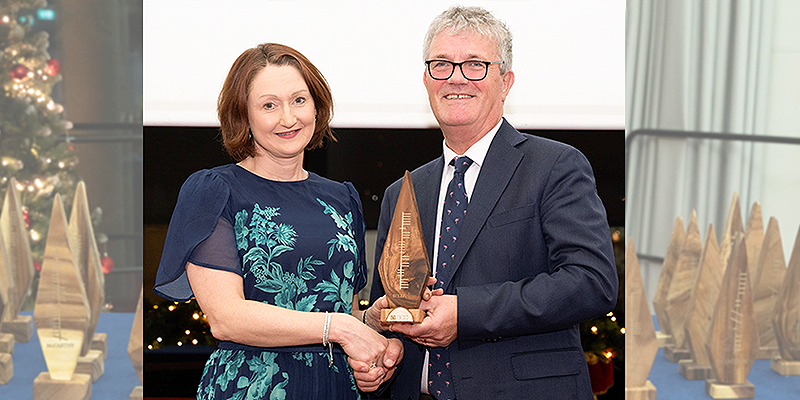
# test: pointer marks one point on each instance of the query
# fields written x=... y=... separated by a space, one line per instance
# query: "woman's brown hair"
x=232 y=102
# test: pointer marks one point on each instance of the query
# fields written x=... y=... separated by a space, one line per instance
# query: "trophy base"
x=692 y=371
x=646 y=392
x=768 y=353
x=402 y=314
x=137 y=393
x=7 y=343
x=785 y=367
x=91 y=364
x=6 y=368
x=100 y=342
x=674 y=355
x=77 y=388
x=664 y=339
x=716 y=390
x=21 y=327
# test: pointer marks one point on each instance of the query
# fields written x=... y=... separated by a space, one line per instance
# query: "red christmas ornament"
x=19 y=72
x=53 y=67
x=107 y=263
x=26 y=217
x=37 y=266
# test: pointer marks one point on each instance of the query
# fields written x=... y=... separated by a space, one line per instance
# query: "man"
x=532 y=256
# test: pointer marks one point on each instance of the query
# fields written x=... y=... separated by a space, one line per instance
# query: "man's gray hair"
x=476 y=20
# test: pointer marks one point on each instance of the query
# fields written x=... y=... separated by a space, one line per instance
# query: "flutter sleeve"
x=360 y=228
x=198 y=232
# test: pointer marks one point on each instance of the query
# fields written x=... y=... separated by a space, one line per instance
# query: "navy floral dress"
x=297 y=245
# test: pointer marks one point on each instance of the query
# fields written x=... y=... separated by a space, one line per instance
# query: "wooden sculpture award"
x=61 y=316
x=786 y=318
x=404 y=266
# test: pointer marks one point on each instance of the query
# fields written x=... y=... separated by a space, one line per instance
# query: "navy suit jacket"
x=534 y=258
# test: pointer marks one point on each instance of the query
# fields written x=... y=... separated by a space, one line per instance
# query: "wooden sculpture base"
x=646 y=392
x=768 y=353
x=77 y=388
x=21 y=327
x=91 y=364
x=674 y=355
x=401 y=314
x=785 y=367
x=137 y=393
x=7 y=343
x=716 y=390
x=100 y=343
x=6 y=368
x=664 y=340
x=692 y=371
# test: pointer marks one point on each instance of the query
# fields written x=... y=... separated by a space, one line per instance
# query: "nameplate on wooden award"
x=404 y=266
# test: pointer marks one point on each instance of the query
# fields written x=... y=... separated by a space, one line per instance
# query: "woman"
x=274 y=254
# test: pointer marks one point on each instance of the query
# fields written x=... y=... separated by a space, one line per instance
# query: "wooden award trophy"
x=136 y=348
x=732 y=340
x=6 y=339
x=704 y=298
x=769 y=275
x=20 y=270
x=404 y=266
x=87 y=259
x=680 y=291
x=640 y=334
x=786 y=319
x=61 y=316
x=664 y=334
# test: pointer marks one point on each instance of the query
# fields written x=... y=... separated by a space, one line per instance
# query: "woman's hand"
x=360 y=342
x=370 y=377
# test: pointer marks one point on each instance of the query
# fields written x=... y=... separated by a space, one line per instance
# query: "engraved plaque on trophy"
x=61 y=315
x=404 y=266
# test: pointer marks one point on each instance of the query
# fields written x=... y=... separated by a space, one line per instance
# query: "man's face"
x=458 y=102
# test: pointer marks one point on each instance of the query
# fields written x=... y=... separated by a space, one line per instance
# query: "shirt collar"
x=476 y=152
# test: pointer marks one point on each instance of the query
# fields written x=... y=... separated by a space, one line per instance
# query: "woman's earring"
x=251 y=132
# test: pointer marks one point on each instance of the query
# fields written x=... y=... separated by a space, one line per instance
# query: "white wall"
x=568 y=57
x=781 y=179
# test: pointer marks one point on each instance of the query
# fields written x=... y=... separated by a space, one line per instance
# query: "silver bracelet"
x=325 y=331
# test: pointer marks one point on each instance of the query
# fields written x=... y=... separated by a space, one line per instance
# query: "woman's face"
x=281 y=112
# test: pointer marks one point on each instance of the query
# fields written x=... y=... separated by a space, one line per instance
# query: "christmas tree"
x=34 y=146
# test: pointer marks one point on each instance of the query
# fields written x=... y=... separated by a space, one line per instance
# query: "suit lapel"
x=426 y=187
x=498 y=167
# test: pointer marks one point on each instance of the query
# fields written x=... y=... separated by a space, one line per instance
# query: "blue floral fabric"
x=297 y=245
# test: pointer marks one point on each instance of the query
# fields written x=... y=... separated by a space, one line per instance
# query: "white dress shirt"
x=477 y=153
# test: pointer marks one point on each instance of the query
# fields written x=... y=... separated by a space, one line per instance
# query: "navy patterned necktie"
x=440 y=379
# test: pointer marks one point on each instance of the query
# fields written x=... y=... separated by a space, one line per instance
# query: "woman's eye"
x=300 y=100
x=269 y=106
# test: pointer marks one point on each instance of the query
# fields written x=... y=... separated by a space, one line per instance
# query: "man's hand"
x=370 y=377
x=440 y=326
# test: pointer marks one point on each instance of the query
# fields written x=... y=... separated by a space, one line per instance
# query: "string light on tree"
x=33 y=127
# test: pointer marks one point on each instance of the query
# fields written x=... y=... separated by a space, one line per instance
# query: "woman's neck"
x=276 y=170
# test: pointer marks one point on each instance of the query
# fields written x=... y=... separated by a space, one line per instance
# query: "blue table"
x=118 y=380
x=671 y=385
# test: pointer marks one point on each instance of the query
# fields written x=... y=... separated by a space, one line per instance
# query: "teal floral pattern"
x=299 y=246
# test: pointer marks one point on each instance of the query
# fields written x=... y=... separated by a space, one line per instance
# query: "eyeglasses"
x=473 y=70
